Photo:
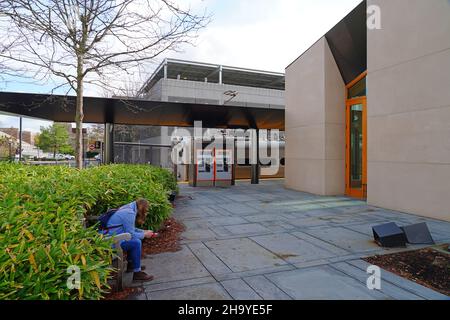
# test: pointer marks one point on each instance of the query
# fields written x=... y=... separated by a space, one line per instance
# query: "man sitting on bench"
x=124 y=220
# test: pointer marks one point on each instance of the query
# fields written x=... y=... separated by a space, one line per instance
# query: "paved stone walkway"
x=265 y=242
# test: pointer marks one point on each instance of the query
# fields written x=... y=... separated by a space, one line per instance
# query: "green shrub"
x=166 y=178
x=117 y=185
x=41 y=234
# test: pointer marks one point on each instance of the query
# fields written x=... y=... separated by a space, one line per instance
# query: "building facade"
x=181 y=81
x=195 y=82
x=368 y=109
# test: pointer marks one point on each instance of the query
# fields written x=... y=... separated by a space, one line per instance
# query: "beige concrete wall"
x=334 y=127
x=315 y=129
x=409 y=108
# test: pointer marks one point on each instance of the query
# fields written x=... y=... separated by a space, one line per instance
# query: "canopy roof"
x=140 y=112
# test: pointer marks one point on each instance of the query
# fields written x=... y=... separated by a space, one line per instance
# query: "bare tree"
x=88 y=41
x=129 y=88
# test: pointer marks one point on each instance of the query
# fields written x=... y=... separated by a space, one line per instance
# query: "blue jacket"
x=126 y=216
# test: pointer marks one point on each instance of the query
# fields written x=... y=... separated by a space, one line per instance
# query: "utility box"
x=418 y=234
x=389 y=235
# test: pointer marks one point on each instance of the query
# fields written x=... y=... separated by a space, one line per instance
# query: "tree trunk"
x=79 y=115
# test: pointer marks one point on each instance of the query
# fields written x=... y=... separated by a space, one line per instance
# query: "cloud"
x=258 y=34
x=265 y=34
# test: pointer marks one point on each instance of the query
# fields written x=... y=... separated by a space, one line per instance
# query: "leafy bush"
x=41 y=234
x=166 y=178
x=116 y=185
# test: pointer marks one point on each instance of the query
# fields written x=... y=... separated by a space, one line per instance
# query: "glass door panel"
x=356 y=145
x=356 y=180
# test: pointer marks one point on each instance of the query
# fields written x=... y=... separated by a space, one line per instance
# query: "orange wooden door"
x=356 y=148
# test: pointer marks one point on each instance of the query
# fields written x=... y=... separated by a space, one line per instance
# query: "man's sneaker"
x=142 y=276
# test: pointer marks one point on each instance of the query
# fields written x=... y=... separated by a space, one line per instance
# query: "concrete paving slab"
x=210 y=291
x=347 y=206
x=173 y=266
x=277 y=228
x=243 y=254
x=265 y=217
x=190 y=214
x=322 y=212
x=321 y=283
x=310 y=264
x=221 y=232
x=266 y=289
x=238 y=208
x=211 y=262
x=247 y=229
x=226 y=221
x=321 y=244
x=198 y=234
x=346 y=239
x=291 y=248
x=216 y=211
x=255 y=272
x=239 y=290
x=310 y=222
x=149 y=287
x=195 y=223
x=238 y=197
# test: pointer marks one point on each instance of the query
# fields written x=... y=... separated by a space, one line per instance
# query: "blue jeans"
x=133 y=249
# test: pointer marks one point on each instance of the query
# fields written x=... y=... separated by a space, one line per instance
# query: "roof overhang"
x=126 y=111
x=348 y=43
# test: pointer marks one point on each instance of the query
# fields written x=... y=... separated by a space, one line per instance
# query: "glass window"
x=358 y=89
x=356 y=145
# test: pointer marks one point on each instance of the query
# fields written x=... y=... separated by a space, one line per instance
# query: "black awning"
x=140 y=112
x=348 y=43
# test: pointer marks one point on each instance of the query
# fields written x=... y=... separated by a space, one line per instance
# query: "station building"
x=181 y=81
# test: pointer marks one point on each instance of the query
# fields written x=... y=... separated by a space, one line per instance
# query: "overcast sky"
x=259 y=34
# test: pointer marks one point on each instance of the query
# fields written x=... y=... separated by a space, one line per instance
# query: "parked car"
x=59 y=156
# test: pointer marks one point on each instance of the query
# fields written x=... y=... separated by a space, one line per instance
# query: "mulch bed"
x=168 y=241
x=125 y=294
x=428 y=267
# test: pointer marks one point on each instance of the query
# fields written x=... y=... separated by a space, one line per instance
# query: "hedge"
x=41 y=230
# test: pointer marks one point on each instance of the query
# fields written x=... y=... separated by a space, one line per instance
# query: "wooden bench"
x=118 y=262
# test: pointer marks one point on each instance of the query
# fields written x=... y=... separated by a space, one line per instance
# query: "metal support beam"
x=234 y=165
x=20 y=139
x=255 y=156
x=109 y=144
x=165 y=70
x=220 y=75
